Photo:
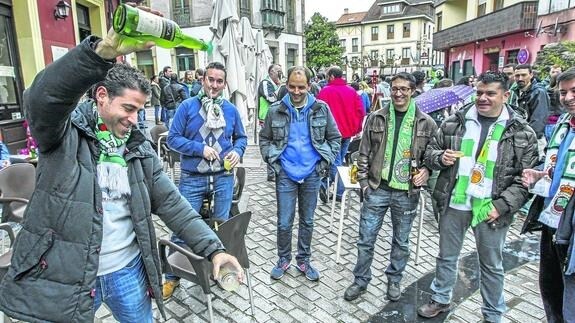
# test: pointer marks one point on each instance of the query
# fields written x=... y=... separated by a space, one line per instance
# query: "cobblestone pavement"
x=295 y=299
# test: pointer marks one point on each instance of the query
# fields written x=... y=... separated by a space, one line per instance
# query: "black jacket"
x=173 y=94
x=534 y=103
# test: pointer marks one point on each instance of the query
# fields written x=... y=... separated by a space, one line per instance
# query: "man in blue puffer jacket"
x=299 y=141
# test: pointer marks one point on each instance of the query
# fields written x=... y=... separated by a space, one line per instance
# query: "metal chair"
x=186 y=264
x=6 y=256
x=17 y=184
x=166 y=155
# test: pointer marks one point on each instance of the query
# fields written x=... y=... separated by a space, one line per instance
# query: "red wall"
x=54 y=32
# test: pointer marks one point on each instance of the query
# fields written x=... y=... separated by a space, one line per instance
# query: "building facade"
x=480 y=35
x=392 y=36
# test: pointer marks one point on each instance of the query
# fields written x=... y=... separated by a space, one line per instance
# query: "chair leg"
x=419 y=226
x=340 y=229
x=249 y=279
x=210 y=309
x=336 y=180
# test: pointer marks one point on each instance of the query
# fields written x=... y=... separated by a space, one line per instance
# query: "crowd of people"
x=88 y=237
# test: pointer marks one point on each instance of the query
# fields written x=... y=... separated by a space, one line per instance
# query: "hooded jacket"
x=54 y=266
x=534 y=103
x=345 y=106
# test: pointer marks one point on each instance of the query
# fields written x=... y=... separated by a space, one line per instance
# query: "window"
x=374 y=33
x=290 y=16
x=405 y=55
x=389 y=56
x=374 y=56
x=390 y=31
x=512 y=56
x=498 y=4
x=145 y=62
x=354 y=46
x=439 y=18
x=185 y=58
x=342 y=43
x=407 y=30
x=83 y=21
x=245 y=8
x=394 y=8
x=481 y=8
x=291 y=57
x=558 y=5
x=181 y=13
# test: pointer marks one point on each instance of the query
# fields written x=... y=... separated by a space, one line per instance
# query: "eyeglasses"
x=403 y=90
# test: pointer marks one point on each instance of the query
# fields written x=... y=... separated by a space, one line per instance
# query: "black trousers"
x=551 y=277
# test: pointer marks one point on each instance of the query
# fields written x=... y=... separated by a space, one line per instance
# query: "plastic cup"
x=458 y=154
x=227 y=164
x=228 y=279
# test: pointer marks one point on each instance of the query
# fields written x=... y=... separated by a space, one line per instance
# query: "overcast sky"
x=333 y=9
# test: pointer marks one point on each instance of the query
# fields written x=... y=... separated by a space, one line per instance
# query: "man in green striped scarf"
x=480 y=153
x=391 y=172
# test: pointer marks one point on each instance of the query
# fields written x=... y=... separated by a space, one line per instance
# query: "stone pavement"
x=295 y=299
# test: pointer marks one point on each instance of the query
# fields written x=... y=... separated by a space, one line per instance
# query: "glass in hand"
x=227 y=166
x=228 y=279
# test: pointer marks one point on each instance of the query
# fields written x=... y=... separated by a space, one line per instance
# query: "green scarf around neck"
x=399 y=171
x=109 y=145
x=213 y=108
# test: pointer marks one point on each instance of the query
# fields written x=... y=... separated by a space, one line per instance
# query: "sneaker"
x=432 y=309
x=323 y=195
x=169 y=287
x=307 y=269
x=353 y=292
x=393 y=291
x=280 y=269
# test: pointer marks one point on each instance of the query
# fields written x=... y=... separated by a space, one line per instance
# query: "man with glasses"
x=391 y=172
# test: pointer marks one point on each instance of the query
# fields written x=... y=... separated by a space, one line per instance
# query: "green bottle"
x=145 y=26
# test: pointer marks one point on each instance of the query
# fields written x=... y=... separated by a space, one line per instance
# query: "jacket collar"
x=337 y=82
x=514 y=119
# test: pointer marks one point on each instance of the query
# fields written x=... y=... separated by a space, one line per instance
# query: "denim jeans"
x=126 y=293
x=568 y=298
x=550 y=273
x=489 y=241
x=339 y=158
x=287 y=192
x=169 y=115
x=157 y=110
x=196 y=187
x=403 y=211
x=142 y=118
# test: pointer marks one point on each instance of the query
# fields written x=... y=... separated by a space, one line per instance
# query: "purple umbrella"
x=436 y=99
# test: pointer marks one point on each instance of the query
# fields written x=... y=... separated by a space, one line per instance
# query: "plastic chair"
x=166 y=155
x=186 y=264
x=6 y=256
x=17 y=184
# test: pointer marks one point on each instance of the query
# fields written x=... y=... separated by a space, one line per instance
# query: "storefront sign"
x=523 y=56
x=501 y=61
x=491 y=50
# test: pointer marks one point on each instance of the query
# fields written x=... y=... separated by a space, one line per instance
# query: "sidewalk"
x=295 y=299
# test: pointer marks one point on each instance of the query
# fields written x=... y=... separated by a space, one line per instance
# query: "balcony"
x=518 y=17
x=272 y=16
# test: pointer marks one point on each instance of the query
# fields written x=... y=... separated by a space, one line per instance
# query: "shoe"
x=271 y=178
x=159 y=123
x=393 y=291
x=432 y=309
x=323 y=195
x=280 y=269
x=307 y=269
x=353 y=292
x=169 y=287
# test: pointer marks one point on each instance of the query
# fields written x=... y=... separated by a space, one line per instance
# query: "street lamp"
x=62 y=10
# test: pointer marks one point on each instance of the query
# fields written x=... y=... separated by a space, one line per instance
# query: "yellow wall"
x=454 y=13
x=29 y=39
x=97 y=16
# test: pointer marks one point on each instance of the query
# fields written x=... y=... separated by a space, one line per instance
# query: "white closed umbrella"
x=248 y=52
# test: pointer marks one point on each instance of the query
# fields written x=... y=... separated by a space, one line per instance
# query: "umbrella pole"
x=256 y=121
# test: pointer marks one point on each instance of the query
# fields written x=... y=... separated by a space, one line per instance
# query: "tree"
x=322 y=43
x=562 y=54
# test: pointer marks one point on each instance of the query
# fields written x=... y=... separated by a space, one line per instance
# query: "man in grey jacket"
x=88 y=236
x=480 y=153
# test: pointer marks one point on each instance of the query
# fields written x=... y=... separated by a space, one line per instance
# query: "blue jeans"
x=339 y=158
x=126 y=293
x=403 y=211
x=196 y=187
x=489 y=242
x=142 y=118
x=157 y=115
x=169 y=115
x=568 y=298
x=287 y=192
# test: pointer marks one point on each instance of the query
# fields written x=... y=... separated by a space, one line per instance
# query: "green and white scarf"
x=552 y=213
x=214 y=113
x=111 y=166
x=474 y=184
x=400 y=174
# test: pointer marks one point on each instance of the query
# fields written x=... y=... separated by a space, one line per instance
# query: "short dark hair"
x=216 y=66
x=303 y=69
x=199 y=72
x=405 y=76
x=174 y=77
x=321 y=75
x=524 y=66
x=355 y=86
x=494 y=77
x=512 y=65
x=166 y=68
x=444 y=83
x=419 y=77
x=568 y=75
x=121 y=77
x=335 y=71
x=271 y=67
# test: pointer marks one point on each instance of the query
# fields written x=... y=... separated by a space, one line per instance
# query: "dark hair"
x=419 y=77
x=199 y=72
x=165 y=69
x=464 y=80
x=405 y=76
x=121 y=77
x=153 y=77
x=335 y=71
x=568 y=75
x=443 y=83
x=303 y=69
x=524 y=66
x=494 y=77
x=216 y=66
x=174 y=77
x=271 y=67
x=321 y=75
x=355 y=86
x=512 y=65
